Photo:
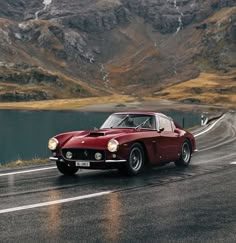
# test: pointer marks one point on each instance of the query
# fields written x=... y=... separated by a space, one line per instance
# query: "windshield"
x=137 y=121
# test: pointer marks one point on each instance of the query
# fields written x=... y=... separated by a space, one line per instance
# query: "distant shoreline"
x=110 y=104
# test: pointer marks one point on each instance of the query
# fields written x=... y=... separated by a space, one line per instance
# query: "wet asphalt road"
x=165 y=204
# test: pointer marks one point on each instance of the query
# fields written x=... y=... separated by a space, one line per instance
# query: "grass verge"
x=20 y=163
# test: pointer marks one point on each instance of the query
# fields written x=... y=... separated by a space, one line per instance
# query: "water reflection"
x=113 y=223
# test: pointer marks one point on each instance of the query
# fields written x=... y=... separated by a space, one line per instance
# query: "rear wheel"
x=185 y=156
x=135 y=162
x=65 y=169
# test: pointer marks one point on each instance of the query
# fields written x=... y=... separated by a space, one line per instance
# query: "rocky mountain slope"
x=81 y=48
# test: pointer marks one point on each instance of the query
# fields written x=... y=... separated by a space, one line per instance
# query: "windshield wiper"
x=120 y=121
x=143 y=123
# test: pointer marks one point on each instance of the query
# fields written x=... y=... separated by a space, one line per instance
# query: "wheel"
x=65 y=169
x=185 y=156
x=135 y=162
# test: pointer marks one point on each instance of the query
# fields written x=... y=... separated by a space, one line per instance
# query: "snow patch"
x=105 y=77
x=46 y=3
x=23 y=26
x=18 y=36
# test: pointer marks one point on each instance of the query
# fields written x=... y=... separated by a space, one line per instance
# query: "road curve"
x=165 y=204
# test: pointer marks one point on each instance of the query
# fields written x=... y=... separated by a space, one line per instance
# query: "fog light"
x=113 y=156
x=98 y=156
x=68 y=155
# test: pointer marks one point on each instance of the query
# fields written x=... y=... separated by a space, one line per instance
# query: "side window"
x=166 y=124
x=173 y=125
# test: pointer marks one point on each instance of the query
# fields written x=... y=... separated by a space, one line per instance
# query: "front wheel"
x=135 y=162
x=65 y=169
x=185 y=156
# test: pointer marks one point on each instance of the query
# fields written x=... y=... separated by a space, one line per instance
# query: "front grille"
x=83 y=154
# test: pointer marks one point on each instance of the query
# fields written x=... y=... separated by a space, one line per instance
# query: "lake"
x=24 y=134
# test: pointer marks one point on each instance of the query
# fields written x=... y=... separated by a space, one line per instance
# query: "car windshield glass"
x=137 y=121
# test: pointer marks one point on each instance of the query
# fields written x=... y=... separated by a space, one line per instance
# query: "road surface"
x=165 y=204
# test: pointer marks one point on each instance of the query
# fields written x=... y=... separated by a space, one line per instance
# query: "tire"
x=65 y=169
x=186 y=154
x=135 y=162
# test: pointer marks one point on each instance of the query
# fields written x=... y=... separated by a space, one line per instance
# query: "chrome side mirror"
x=161 y=129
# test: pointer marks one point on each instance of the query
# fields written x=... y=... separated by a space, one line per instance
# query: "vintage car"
x=126 y=141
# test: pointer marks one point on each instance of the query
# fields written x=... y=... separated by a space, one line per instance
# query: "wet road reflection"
x=11 y=182
x=113 y=223
x=53 y=220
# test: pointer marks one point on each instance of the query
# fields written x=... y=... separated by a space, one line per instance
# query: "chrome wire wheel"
x=136 y=160
x=185 y=157
x=186 y=152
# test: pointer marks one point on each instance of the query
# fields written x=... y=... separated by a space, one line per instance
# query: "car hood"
x=94 y=139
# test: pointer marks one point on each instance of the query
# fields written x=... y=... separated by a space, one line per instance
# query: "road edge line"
x=210 y=127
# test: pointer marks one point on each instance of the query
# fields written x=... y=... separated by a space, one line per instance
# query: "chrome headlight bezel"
x=113 y=145
x=52 y=143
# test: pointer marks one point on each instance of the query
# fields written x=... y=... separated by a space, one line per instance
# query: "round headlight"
x=113 y=145
x=52 y=143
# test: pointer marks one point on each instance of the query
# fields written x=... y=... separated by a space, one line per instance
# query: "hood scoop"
x=96 y=134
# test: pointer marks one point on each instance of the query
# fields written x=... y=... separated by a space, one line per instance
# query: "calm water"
x=24 y=134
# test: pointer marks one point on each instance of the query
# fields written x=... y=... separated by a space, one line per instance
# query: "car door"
x=168 y=141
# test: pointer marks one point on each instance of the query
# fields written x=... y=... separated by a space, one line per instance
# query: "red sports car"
x=126 y=141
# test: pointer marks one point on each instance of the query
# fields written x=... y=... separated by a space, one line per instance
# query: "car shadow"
x=115 y=181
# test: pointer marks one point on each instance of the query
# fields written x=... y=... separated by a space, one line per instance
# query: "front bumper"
x=91 y=161
x=93 y=164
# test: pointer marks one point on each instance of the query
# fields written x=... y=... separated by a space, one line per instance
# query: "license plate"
x=82 y=163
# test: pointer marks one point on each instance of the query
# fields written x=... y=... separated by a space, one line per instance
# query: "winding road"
x=165 y=204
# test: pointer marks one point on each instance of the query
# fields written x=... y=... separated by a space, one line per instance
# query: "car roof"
x=143 y=113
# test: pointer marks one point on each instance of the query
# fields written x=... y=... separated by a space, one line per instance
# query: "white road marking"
x=28 y=171
x=233 y=163
x=210 y=127
x=37 y=205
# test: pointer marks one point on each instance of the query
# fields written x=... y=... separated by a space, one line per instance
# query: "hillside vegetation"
x=178 y=50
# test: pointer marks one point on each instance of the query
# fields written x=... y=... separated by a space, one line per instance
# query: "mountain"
x=81 y=48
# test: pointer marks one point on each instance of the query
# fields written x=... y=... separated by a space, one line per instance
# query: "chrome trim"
x=56 y=159
x=114 y=161
x=80 y=160
x=196 y=150
x=99 y=161
x=106 y=161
